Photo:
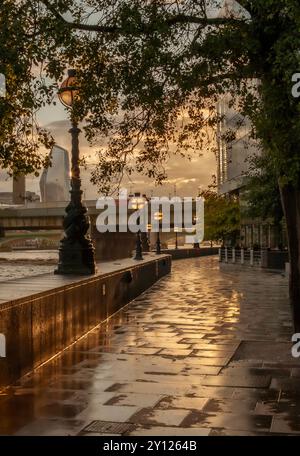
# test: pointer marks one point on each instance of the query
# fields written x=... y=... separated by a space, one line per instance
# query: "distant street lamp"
x=196 y=244
x=149 y=228
x=158 y=216
x=138 y=203
x=176 y=230
x=76 y=251
x=144 y=235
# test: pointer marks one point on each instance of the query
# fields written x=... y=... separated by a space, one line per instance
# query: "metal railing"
x=240 y=256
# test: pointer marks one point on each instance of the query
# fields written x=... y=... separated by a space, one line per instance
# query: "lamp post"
x=144 y=235
x=76 y=251
x=149 y=228
x=138 y=203
x=176 y=229
x=158 y=216
x=196 y=244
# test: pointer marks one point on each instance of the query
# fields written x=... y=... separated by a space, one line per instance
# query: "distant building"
x=55 y=180
x=19 y=191
x=7 y=198
x=233 y=156
x=233 y=161
x=234 y=150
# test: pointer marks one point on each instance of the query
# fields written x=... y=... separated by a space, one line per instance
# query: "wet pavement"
x=206 y=351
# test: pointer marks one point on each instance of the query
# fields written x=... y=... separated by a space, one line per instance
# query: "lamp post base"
x=138 y=250
x=76 y=258
x=76 y=251
x=158 y=247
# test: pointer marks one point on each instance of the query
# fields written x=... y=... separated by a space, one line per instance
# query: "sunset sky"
x=187 y=175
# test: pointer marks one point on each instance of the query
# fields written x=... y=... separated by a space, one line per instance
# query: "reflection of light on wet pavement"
x=204 y=351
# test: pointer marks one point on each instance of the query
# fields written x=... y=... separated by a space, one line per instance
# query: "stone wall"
x=41 y=325
x=274 y=259
x=112 y=246
x=179 y=254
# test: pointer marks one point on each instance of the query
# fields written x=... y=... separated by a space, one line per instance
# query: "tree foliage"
x=261 y=196
x=29 y=39
x=150 y=73
x=222 y=217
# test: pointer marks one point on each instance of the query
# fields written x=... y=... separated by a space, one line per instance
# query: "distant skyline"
x=187 y=175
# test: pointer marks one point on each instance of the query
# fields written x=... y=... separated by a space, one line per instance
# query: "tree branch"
x=144 y=28
x=75 y=25
x=186 y=19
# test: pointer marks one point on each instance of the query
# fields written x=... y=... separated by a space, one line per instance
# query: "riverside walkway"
x=205 y=351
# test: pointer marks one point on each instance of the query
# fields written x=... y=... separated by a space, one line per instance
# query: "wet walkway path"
x=206 y=351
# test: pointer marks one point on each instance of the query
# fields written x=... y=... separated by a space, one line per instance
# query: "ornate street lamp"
x=158 y=216
x=138 y=203
x=76 y=251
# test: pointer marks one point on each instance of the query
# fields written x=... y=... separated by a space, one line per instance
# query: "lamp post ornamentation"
x=76 y=251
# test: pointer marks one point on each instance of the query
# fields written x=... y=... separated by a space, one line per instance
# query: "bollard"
x=220 y=255
x=242 y=256
x=226 y=255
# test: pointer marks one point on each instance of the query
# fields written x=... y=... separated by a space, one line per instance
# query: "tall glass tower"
x=55 y=180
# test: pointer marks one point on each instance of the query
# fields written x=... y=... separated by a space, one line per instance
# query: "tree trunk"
x=290 y=197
